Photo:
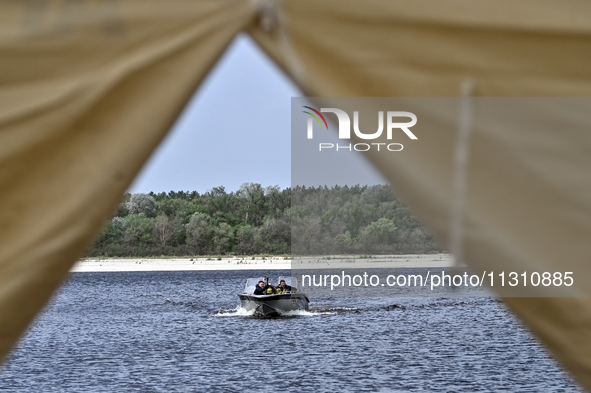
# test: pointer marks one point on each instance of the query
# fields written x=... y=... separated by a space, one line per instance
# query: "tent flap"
x=87 y=91
x=528 y=197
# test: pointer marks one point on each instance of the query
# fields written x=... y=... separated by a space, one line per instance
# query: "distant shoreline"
x=258 y=263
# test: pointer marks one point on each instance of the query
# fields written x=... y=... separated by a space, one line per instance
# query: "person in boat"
x=260 y=288
x=270 y=288
x=283 y=287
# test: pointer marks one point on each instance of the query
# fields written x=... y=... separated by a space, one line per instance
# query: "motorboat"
x=273 y=304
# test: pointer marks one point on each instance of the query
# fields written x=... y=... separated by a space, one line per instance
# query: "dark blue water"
x=182 y=332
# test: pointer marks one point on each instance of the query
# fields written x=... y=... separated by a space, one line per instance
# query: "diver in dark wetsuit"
x=260 y=288
x=283 y=287
x=269 y=288
x=265 y=288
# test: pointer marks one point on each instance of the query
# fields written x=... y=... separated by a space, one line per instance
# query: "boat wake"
x=334 y=310
x=235 y=312
x=313 y=312
x=307 y=313
x=243 y=313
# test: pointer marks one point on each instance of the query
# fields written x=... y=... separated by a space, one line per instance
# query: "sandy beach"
x=259 y=263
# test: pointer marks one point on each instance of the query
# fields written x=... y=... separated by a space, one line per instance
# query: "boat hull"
x=274 y=305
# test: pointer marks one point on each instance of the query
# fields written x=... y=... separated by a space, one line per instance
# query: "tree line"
x=263 y=220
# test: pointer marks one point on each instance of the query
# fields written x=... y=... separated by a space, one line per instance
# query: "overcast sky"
x=235 y=129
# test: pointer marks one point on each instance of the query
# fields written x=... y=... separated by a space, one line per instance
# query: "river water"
x=184 y=332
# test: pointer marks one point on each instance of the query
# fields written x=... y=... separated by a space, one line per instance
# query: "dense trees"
x=259 y=220
x=355 y=220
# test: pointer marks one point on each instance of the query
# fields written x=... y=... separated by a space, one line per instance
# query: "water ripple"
x=183 y=332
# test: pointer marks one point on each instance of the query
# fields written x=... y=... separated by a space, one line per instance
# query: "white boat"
x=273 y=304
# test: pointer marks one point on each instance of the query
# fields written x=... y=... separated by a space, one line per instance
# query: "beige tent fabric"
x=87 y=90
x=528 y=201
x=426 y=48
x=563 y=324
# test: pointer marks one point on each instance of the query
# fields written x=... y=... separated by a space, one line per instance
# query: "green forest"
x=257 y=220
